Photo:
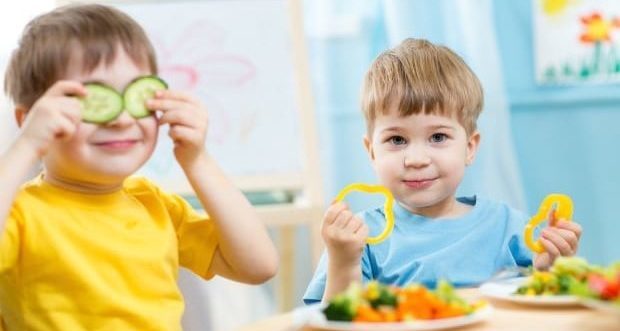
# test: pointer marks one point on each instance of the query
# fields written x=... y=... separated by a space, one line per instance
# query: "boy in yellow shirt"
x=85 y=246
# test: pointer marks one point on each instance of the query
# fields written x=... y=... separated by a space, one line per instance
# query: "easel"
x=307 y=208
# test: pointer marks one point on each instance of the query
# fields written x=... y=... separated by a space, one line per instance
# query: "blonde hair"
x=50 y=41
x=420 y=77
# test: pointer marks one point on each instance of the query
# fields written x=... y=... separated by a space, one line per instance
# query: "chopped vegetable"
x=574 y=276
x=379 y=295
x=382 y=303
x=103 y=104
x=344 y=306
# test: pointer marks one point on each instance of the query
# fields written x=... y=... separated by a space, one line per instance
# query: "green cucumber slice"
x=101 y=104
x=140 y=90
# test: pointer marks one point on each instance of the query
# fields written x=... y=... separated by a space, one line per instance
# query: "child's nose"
x=416 y=158
x=123 y=119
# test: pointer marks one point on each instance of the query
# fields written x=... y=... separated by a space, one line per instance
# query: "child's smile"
x=117 y=145
x=420 y=184
x=115 y=141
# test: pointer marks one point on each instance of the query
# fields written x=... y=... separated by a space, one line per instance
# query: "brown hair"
x=92 y=33
x=420 y=77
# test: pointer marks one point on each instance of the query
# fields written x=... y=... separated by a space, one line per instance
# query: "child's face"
x=421 y=159
x=105 y=154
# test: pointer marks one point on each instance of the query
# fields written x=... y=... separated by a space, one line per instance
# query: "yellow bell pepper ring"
x=388 y=207
x=563 y=210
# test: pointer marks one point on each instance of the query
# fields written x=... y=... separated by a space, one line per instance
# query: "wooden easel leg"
x=286 y=284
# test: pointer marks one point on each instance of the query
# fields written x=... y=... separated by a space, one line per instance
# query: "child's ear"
x=472 y=147
x=20 y=114
x=368 y=146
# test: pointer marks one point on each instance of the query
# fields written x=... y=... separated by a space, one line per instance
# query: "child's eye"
x=397 y=140
x=438 y=137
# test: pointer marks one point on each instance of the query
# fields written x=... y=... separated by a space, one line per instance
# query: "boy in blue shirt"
x=421 y=102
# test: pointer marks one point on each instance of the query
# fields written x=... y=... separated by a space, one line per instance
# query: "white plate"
x=505 y=289
x=604 y=306
x=317 y=320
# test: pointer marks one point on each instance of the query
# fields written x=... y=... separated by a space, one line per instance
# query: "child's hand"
x=54 y=116
x=561 y=239
x=344 y=235
x=188 y=123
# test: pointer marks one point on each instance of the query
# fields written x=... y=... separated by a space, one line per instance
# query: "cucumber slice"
x=140 y=90
x=102 y=103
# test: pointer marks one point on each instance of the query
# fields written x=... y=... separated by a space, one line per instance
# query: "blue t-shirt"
x=466 y=250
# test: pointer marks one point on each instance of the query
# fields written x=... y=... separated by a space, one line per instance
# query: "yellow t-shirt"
x=70 y=261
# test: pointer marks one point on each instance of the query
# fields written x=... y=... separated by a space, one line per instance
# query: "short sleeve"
x=197 y=239
x=519 y=250
x=316 y=287
x=10 y=240
x=367 y=269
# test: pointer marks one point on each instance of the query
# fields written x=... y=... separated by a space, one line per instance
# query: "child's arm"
x=54 y=116
x=245 y=252
x=345 y=237
x=561 y=239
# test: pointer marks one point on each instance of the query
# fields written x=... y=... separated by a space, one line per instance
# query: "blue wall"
x=567 y=138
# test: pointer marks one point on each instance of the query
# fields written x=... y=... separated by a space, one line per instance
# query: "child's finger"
x=65 y=129
x=558 y=241
x=570 y=237
x=333 y=211
x=550 y=248
x=363 y=230
x=342 y=219
x=165 y=104
x=353 y=224
x=183 y=134
x=177 y=117
x=176 y=95
x=67 y=88
x=543 y=260
x=70 y=108
x=570 y=226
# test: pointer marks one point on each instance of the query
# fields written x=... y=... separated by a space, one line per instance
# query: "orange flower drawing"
x=597 y=29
